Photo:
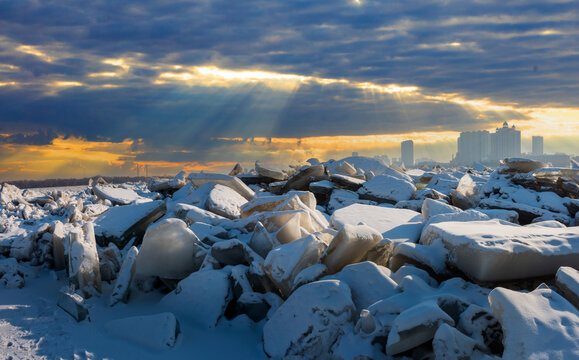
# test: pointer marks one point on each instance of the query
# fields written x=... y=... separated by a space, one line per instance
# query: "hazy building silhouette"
x=505 y=142
x=537 y=145
x=407 y=153
x=473 y=146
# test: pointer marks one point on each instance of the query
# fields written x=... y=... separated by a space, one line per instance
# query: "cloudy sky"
x=99 y=87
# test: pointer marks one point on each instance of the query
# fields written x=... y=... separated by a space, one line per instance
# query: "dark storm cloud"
x=495 y=50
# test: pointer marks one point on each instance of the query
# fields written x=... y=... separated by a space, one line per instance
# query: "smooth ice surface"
x=308 y=322
x=349 y=246
x=201 y=297
x=170 y=250
x=394 y=224
x=387 y=188
x=495 y=250
x=224 y=201
x=537 y=325
x=118 y=195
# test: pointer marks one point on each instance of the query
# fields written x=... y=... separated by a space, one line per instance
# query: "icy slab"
x=9 y=194
x=201 y=297
x=307 y=324
x=431 y=207
x=117 y=195
x=368 y=282
x=286 y=261
x=302 y=179
x=347 y=182
x=170 y=250
x=495 y=250
x=83 y=261
x=468 y=192
x=506 y=215
x=73 y=304
x=93 y=210
x=234 y=252
x=537 y=325
x=482 y=326
x=394 y=224
x=11 y=276
x=156 y=332
x=224 y=201
x=122 y=284
x=271 y=171
x=567 y=280
x=365 y=164
x=451 y=344
x=387 y=188
x=415 y=326
x=261 y=241
x=195 y=214
x=198 y=179
x=349 y=246
x=122 y=223
x=522 y=165
x=268 y=203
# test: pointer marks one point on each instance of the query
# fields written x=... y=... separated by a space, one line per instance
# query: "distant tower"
x=537 y=145
x=505 y=142
x=473 y=146
x=354 y=153
x=407 y=153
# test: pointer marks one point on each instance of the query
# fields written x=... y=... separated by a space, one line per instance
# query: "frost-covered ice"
x=363 y=266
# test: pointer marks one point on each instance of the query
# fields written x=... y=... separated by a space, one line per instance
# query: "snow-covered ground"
x=340 y=260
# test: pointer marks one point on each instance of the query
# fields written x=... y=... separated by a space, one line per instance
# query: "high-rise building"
x=537 y=145
x=407 y=153
x=473 y=146
x=505 y=142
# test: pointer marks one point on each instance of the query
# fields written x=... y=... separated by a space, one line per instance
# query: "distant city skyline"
x=113 y=87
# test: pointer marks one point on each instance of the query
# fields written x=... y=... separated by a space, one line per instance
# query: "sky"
x=109 y=87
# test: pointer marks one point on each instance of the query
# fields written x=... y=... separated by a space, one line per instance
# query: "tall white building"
x=537 y=145
x=407 y=153
x=473 y=146
x=505 y=142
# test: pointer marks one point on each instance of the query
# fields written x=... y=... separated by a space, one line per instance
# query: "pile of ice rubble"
x=346 y=259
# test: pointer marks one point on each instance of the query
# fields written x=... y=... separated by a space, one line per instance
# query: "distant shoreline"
x=31 y=184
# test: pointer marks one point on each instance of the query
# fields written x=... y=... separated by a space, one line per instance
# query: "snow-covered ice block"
x=286 y=261
x=380 y=254
x=272 y=171
x=117 y=195
x=414 y=271
x=387 y=188
x=481 y=325
x=198 y=179
x=363 y=163
x=225 y=201
x=122 y=284
x=310 y=274
x=394 y=224
x=496 y=250
x=349 y=246
x=522 y=165
x=195 y=214
x=451 y=344
x=302 y=179
x=261 y=242
x=122 y=223
x=434 y=256
x=83 y=261
x=234 y=252
x=368 y=282
x=10 y=274
x=537 y=325
x=344 y=167
x=431 y=207
x=567 y=280
x=270 y=202
x=317 y=220
x=468 y=192
x=307 y=324
x=201 y=297
x=73 y=304
x=347 y=182
x=170 y=250
x=415 y=326
x=156 y=332
x=506 y=215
